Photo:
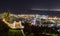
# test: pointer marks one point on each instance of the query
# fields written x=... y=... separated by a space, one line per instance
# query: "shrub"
x=15 y=33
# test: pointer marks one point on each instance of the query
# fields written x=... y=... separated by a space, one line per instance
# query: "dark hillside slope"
x=3 y=28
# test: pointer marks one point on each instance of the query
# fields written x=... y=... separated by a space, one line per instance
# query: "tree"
x=6 y=16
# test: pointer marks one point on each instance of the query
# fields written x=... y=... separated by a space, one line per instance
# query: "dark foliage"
x=4 y=28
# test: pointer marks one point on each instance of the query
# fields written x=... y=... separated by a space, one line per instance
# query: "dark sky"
x=28 y=4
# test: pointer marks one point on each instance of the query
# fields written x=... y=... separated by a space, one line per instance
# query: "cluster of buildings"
x=35 y=19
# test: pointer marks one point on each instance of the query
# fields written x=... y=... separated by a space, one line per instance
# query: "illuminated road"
x=12 y=25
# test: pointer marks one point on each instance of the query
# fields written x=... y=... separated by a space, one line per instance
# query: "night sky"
x=17 y=5
x=30 y=4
